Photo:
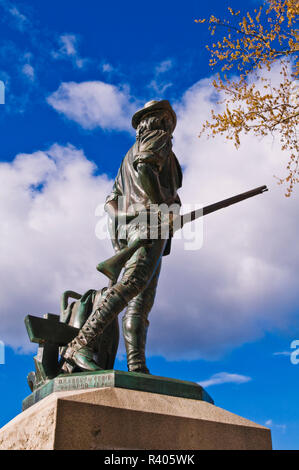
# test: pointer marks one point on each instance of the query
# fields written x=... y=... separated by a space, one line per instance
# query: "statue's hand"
x=160 y=224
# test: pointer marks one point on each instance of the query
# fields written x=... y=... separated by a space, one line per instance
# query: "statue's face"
x=161 y=120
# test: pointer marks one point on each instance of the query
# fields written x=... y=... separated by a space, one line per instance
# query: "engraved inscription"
x=80 y=383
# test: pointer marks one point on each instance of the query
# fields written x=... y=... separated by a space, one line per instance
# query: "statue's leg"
x=135 y=324
x=145 y=261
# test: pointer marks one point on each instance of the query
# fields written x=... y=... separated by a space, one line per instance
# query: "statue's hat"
x=153 y=106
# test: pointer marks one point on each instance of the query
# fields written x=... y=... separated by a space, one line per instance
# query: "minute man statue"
x=149 y=175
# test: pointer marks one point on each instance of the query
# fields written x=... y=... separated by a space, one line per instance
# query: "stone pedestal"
x=119 y=418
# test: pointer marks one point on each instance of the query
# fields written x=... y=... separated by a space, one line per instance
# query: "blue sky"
x=226 y=314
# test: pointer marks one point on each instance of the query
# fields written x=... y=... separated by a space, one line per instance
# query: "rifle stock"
x=113 y=266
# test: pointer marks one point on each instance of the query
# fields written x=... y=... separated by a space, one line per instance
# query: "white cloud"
x=224 y=378
x=28 y=71
x=159 y=84
x=69 y=49
x=108 y=68
x=20 y=18
x=94 y=104
x=281 y=427
x=164 y=66
x=48 y=241
x=282 y=353
x=243 y=281
x=159 y=87
x=20 y=21
x=68 y=44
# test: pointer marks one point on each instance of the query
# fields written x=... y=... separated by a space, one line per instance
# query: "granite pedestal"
x=127 y=412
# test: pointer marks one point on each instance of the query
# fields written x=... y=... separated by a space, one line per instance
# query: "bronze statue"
x=149 y=175
x=86 y=334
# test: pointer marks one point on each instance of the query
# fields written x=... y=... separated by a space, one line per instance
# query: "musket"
x=113 y=266
x=221 y=204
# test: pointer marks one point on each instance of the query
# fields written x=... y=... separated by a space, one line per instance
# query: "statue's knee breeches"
x=141 y=269
x=135 y=322
x=142 y=304
x=135 y=281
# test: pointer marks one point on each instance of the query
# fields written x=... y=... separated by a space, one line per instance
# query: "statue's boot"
x=80 y=352
x=135 y=332
x=84 y=359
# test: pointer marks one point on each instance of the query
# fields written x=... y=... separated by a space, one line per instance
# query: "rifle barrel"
x=221 y=204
